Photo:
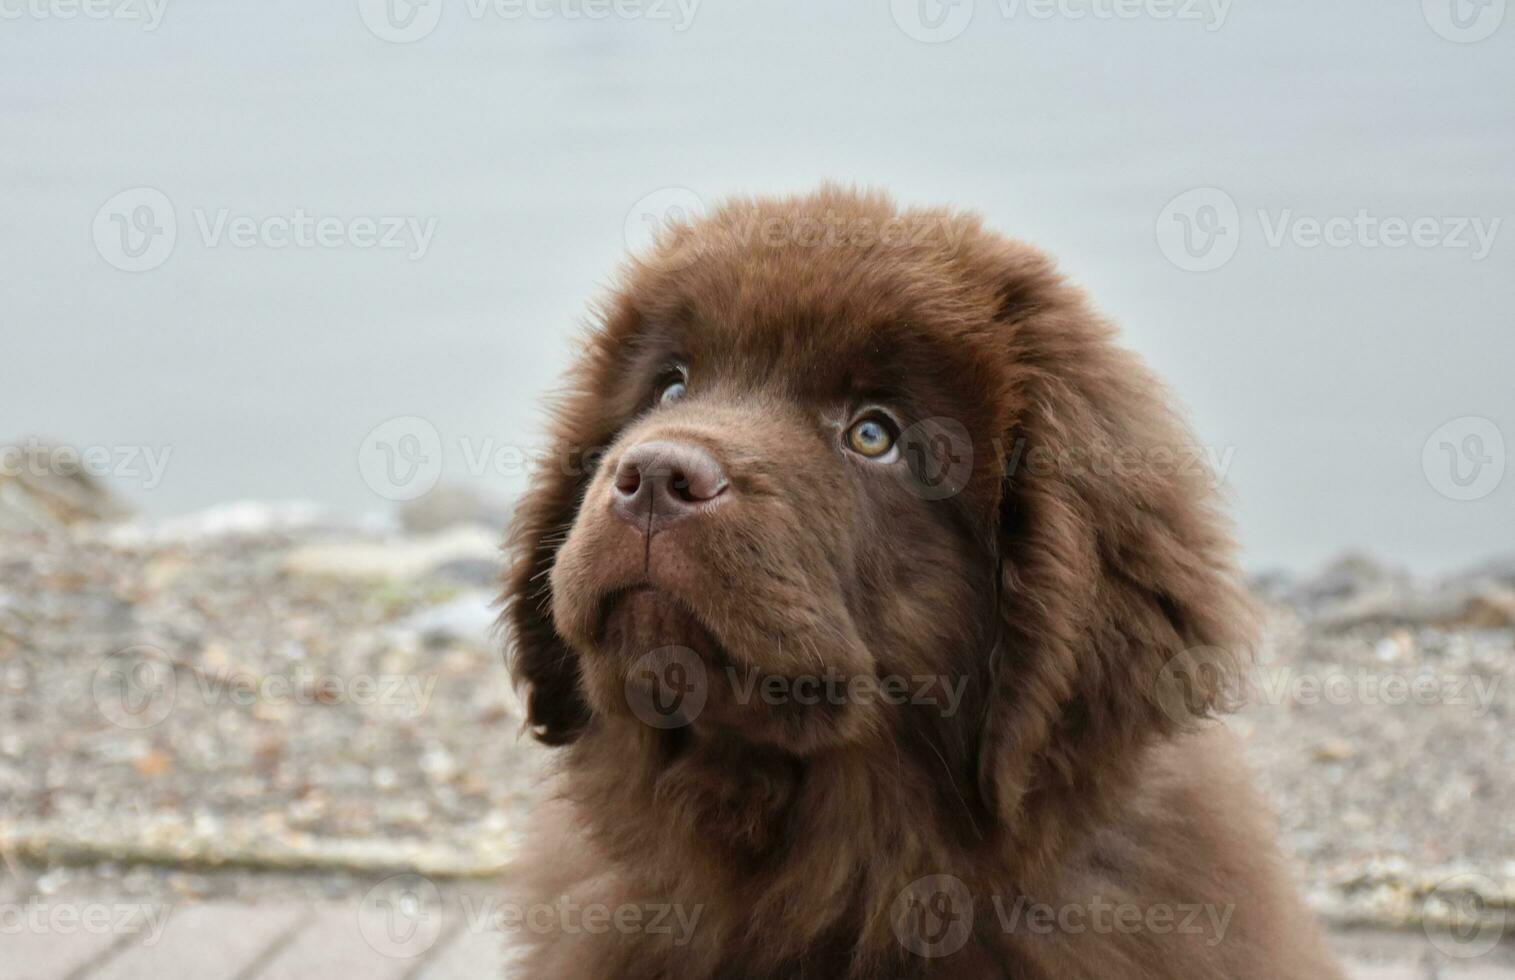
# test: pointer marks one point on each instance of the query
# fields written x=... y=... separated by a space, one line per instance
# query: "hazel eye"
x=872 y=437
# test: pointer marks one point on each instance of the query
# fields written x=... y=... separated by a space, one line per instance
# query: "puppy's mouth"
x=639 y=619
x=655 y=657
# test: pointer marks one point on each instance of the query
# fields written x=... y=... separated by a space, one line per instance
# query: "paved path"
x=397 y=937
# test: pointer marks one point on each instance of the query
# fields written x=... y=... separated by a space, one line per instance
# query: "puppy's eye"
x=672 y=391
x=670 y=385
x=872 y=437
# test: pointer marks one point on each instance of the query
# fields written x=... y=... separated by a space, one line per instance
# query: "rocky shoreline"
x=266 y=688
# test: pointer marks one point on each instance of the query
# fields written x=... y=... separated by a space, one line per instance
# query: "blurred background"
x=286 y=284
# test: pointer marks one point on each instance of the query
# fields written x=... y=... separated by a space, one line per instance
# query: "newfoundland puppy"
x=877 y=607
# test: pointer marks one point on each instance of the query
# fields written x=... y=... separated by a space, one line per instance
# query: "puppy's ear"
x=1116 y=580
x=540 y=661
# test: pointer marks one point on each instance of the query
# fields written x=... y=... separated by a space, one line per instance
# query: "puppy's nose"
x=660 y=483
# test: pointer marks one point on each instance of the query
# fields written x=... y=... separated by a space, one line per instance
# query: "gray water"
x=1325 y=376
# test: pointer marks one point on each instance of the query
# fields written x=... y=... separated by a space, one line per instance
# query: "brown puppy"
x=855 y=593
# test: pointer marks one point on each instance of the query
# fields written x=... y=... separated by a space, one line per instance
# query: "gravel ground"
x=208 y=703
x=1389 y=754
x=183 y=704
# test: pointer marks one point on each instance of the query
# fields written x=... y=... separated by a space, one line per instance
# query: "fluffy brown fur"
x=996 y=556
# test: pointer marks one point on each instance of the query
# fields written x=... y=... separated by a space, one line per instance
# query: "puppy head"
x=796 y=454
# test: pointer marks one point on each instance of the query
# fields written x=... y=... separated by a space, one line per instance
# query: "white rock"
x=394 y=560
x=469 y=617
x=243 y=518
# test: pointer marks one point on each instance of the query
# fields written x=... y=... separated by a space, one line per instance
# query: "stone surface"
x=45 y=486
x=449 y=505
x=259 y=710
